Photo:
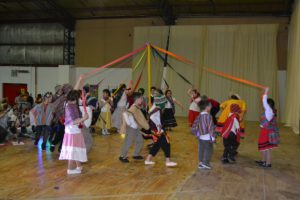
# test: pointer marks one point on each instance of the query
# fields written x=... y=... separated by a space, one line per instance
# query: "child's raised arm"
x=178 y=103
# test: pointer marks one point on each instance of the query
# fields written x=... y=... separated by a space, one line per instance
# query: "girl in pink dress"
x=73 y=147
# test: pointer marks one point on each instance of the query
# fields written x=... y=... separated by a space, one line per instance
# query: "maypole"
x=149 y=74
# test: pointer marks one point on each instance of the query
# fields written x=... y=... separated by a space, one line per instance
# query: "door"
x=11 y=90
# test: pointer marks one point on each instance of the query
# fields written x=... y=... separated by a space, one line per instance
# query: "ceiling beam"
x=56 y=11
x=166 y=11
x=52 y=13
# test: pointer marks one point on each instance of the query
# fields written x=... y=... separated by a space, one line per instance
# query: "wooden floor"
x=28 y=173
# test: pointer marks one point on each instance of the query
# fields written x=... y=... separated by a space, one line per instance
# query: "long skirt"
x=104 y=120
x=168 y=118
x=117 y=117
x=73 y=148
x=263 y=140
x=192 y=116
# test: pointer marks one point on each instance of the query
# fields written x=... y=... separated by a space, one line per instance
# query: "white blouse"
x=268 y=110
x=168 y=104
x=129 y=120
x=194 y=105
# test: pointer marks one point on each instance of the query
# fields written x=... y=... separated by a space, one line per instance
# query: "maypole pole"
x=149 y=73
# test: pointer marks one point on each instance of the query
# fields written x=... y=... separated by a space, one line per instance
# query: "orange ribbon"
x=172 y=54
x=138 y=82
x=235 y=78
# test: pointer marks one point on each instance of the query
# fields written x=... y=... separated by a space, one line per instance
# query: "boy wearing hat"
x=225 y=106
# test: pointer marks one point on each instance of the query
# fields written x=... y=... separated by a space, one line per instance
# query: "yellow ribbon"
x=138 y=63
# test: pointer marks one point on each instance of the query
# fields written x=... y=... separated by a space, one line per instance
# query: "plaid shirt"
x=43 y=114
x=203 y=125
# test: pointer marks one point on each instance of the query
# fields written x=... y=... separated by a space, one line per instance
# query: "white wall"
x=282 y=91
x=23 y=78
x=49 y=77
x=112 y=77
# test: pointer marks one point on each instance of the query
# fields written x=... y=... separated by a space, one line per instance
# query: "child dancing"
x=73 y=147
x=133 y=121
x=194 y=109
x=203 y=128
x=168 y=114
x=160 y=136
x=231 y=134
x=104 y=120
x=269 y=135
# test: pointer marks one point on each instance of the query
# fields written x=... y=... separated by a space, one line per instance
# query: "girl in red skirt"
x=194 y=109
x=269 y=135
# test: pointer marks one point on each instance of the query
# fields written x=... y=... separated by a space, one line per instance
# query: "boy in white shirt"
x=133 y=121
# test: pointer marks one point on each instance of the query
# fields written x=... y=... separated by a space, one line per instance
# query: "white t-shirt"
x=268 y=110
x=155 y=117
x=169 y=105
x=194 y=105
x=130 y=121
x=236 y=125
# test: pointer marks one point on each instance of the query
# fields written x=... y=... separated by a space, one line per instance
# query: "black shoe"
x=138 y=157
x=265 y=165
x=225 y=161
x=232 y=159
x=52 y=148
x=43 y=146
x=260 y=162
x=123 y=160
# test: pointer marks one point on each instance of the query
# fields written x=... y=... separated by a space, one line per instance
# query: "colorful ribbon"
x=138 y=81
x=172 y=54
x=149 y=74
x=139 y=61
x=180 y=75
x=235 y=78
x=115 y=61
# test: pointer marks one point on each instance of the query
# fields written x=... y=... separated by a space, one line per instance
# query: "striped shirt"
x=203 y=126
x=43 y=114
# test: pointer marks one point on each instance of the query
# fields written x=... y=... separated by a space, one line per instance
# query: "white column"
x=163 y=85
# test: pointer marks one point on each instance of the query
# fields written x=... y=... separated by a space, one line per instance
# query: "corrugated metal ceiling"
x=39 y=10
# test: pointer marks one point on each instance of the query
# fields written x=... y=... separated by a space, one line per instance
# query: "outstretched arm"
x=78 y=83
x=189 y=92
x=179 y=103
